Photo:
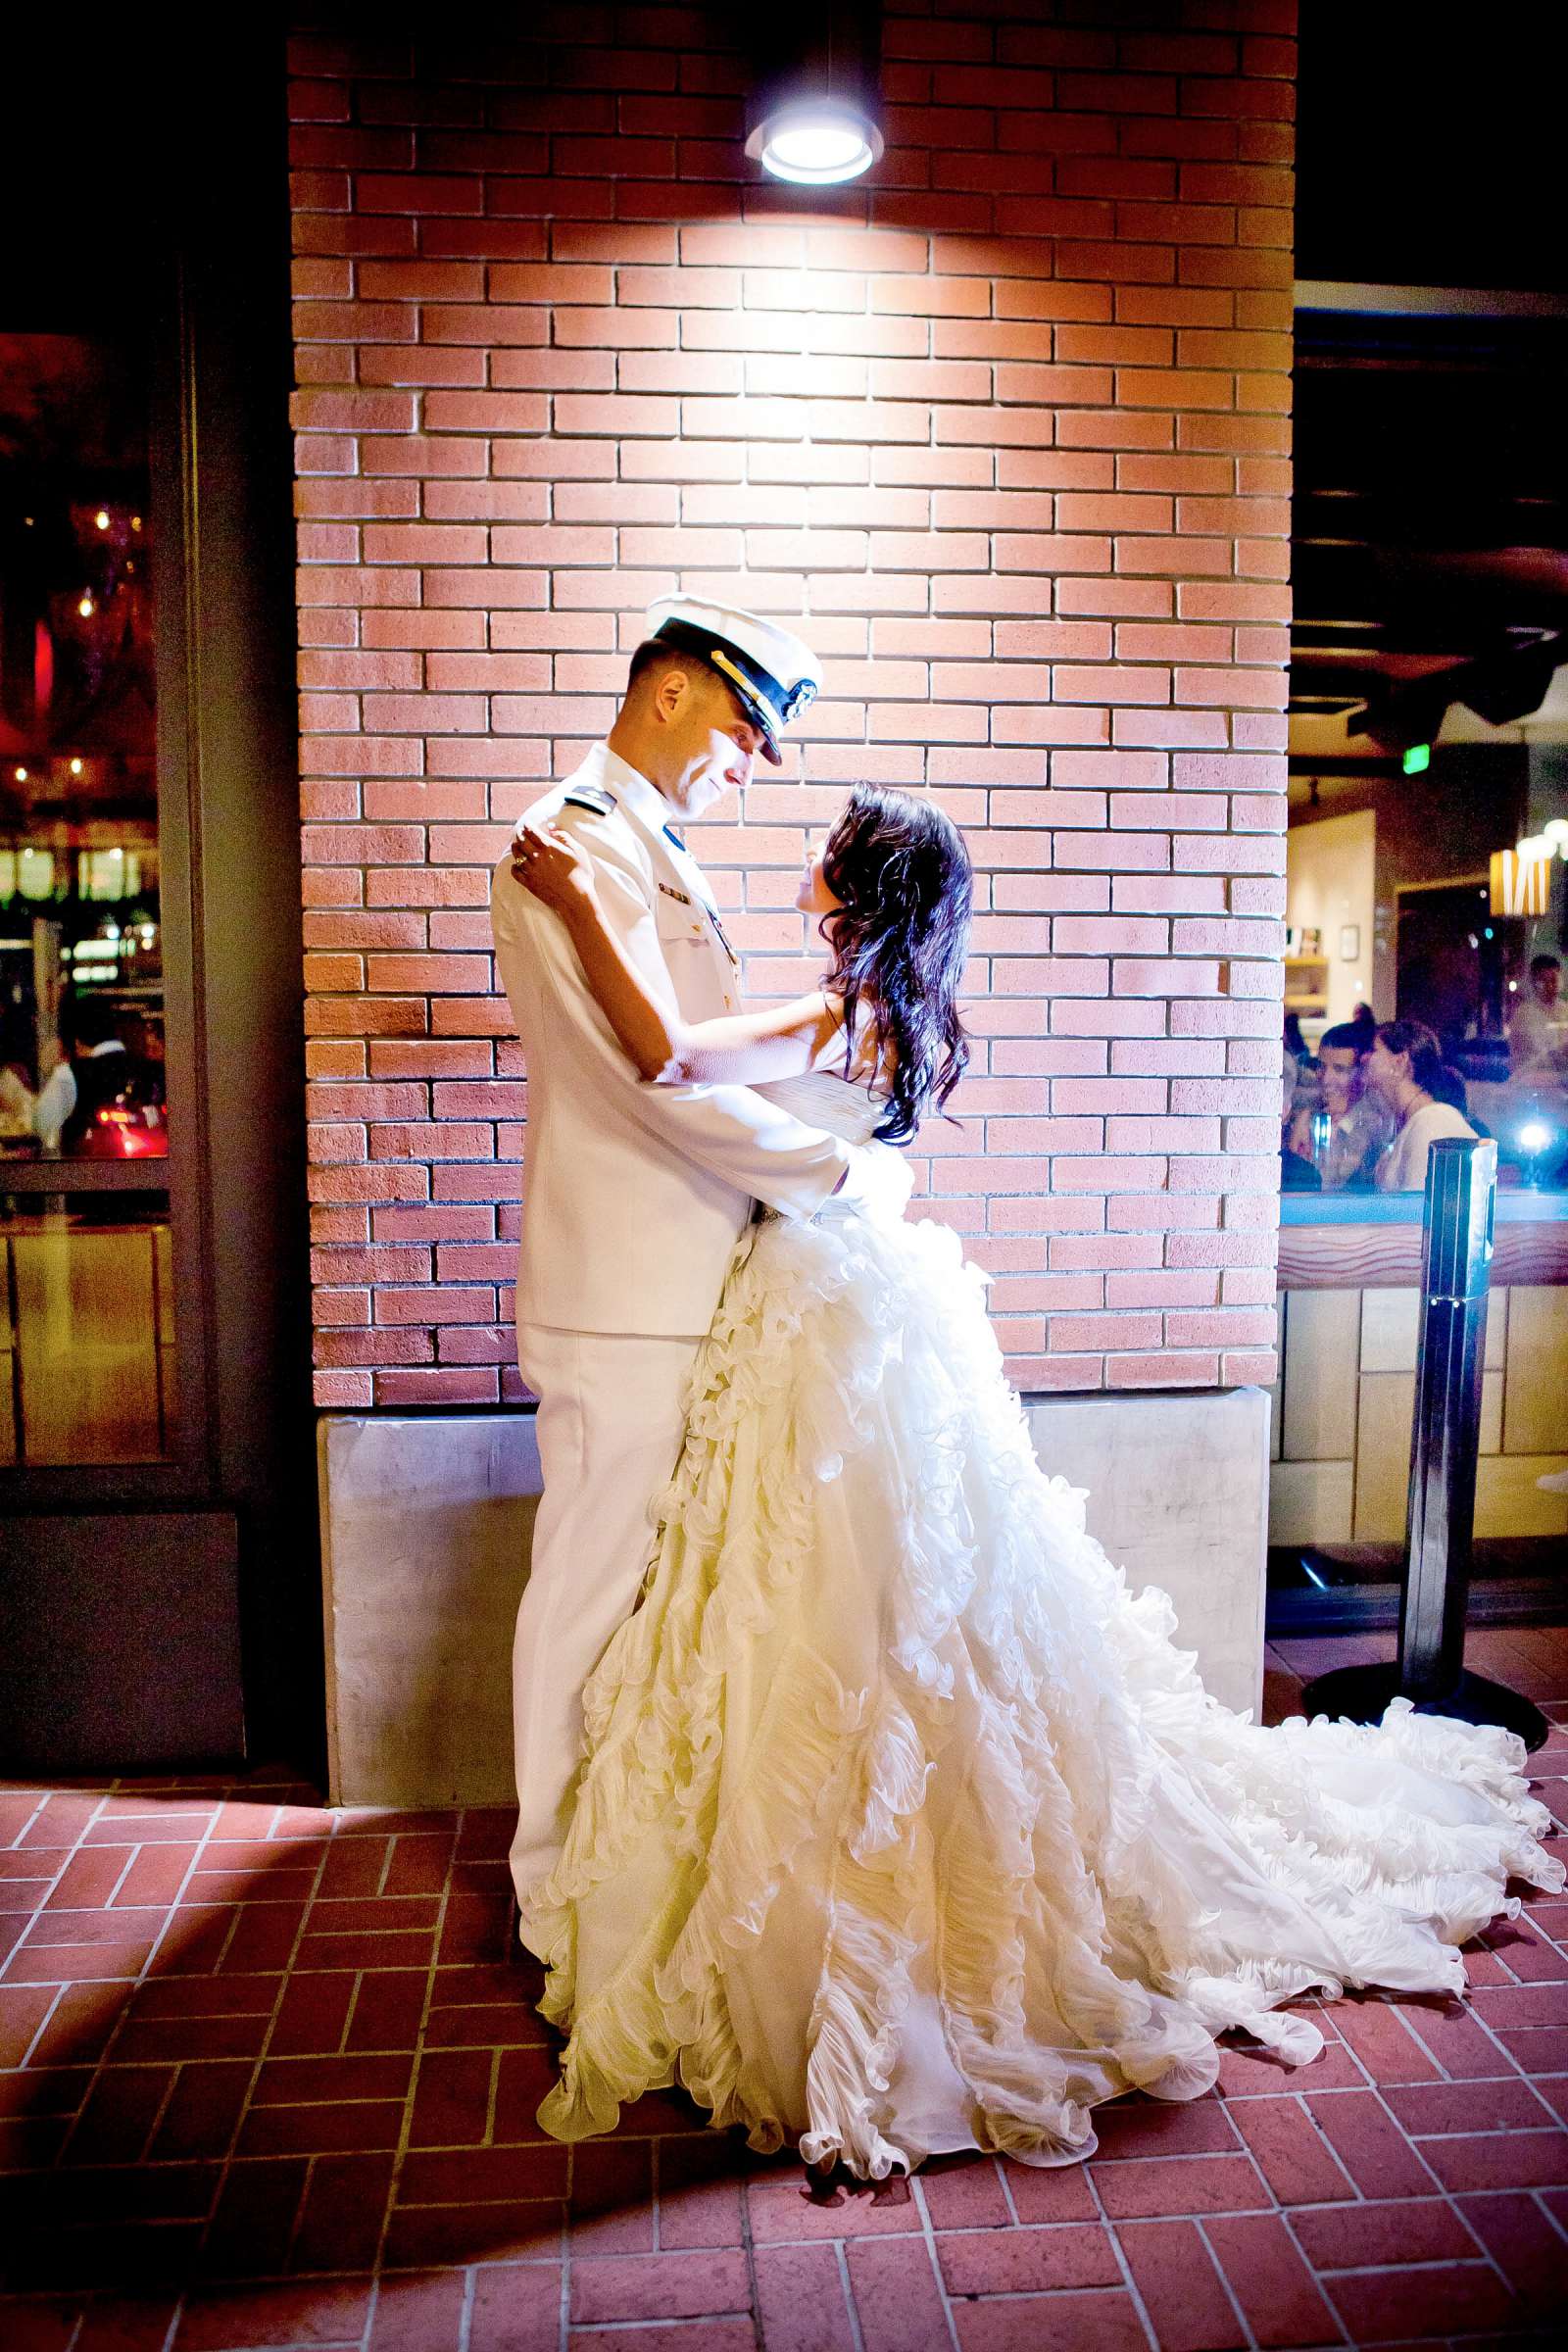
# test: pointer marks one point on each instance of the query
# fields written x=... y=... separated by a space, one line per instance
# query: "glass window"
x=87 y=1313
x=82 y=1026
x=86 y=1343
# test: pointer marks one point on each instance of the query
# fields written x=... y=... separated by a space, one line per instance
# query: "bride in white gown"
x=904 y=1827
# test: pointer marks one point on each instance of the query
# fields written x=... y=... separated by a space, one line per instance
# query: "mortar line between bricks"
x=748 y=2250
x=841 y=2253
x=406 y=2121
x=928 y=2231
x=1150 y=2331
x=466 y=2315
x=135 y=1985
x=284 y=1982
x=1449 y=2196
x=1242 y=2320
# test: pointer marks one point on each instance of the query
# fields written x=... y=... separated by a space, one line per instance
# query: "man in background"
x=1538 y=1028
x=1360 y=1125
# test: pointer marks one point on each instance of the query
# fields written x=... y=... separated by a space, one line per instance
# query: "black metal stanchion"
x=1445 y=1441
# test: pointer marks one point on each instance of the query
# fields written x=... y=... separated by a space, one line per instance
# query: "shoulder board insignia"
x=590 y=796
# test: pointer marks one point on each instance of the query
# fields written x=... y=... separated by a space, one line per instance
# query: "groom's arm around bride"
x=634 y=1194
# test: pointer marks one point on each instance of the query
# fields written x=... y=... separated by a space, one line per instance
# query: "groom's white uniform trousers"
x=634 y=1197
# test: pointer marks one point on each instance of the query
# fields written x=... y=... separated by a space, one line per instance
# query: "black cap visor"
x=758 y=694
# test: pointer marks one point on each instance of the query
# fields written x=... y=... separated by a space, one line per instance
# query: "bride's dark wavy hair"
x=899 y=938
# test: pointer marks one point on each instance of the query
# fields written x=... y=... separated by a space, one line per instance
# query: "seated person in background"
x=1297 y=1172
x=1360 y=1124
x=1537 y=1027
x=42 y=1114
x=1404 y=1069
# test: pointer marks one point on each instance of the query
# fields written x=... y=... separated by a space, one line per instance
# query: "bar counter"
x=1349 y=1268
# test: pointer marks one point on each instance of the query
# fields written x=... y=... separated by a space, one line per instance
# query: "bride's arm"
x=778 y=1042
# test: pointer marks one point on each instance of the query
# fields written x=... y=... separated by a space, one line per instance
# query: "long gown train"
x=905 y=1825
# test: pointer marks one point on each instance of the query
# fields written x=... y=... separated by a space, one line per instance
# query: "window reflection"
x=86 y=1329
x=81 y=1001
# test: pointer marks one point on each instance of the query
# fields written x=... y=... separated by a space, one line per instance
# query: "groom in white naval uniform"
x=635 y=1194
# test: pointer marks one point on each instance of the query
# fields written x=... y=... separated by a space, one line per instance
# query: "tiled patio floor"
x=272 y=2081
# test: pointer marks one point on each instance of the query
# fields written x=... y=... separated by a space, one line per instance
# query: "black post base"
x=1362 y=1693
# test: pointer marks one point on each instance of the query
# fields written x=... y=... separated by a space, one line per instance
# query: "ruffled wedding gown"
x=906 y=1827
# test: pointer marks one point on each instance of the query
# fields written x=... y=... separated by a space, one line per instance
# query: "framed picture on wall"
x=1350 y=942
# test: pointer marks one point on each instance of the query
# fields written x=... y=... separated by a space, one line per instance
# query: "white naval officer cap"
x=775 y=675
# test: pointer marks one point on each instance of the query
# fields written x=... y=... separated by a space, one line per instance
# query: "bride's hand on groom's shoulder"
x=551 y=867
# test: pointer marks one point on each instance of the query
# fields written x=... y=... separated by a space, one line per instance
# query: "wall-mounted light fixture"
x=813 y=118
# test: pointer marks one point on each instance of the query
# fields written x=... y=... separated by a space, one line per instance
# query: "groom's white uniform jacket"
x=634 y=1197
x=634 y=1194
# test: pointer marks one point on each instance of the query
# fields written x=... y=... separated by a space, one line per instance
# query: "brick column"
x=1003 y=431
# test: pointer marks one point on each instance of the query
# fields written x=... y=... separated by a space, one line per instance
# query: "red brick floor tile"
x=253 y=2224
x=208 y=1996
x=1181 y=2289
x=1050 y=2192
x=331 y=2311
x=1093 y=2322
x=1507 y=2006
x=23 y=2010
x=119 y=2114
x=37 y=2327
x=1526 y=1951
x=354 y=1867
x=324 y=2128
x=202 y=2111
x=1449 y=2299
x=71 y=1963
x=422 y=2237
x=387 y=2010
x=171 y=2040
x=516 y=2308
x=1177 y=2186
x=1164 y=2128
x=664 y=2287
x=610 y=2203
x=291 y=2081
x=1538 y=2050
x=419 y=2312
x=1280 y=2298
x=80 y=2025
x=1292 y=2154
x=800 y=2299
x=964 y=2192
x=1011 y=2262
x=344 y=2212
x=1457 y=2040
x=1251 y=2071
x=1509 y=2104
x=682 y=2335
x=1347 y=2238
x=156 y=1875
x=126 y=2323
x=897 y=2298
x=1526 y=2246
x=314 y=2013
x=1501 y=2160
x=523 y=2077
x=452 y=2098
x=483 y=2176
x=1553 y=2088
x=698 y=2193
x=790 y=2210
x=1370 y=2146
x=420 y=1862
x=90 y=1878
x=1377 y=2033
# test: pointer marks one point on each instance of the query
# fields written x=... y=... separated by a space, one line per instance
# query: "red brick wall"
x=1003 y=432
